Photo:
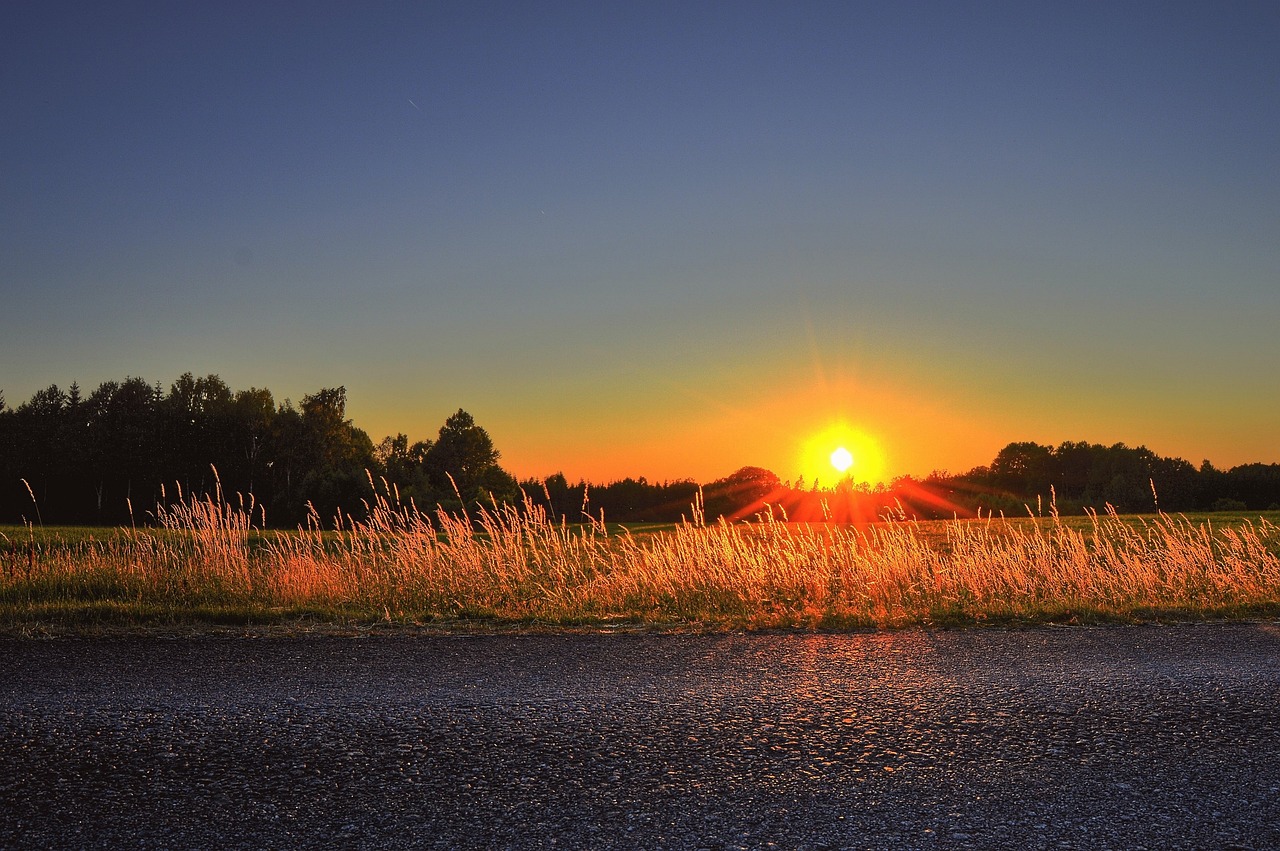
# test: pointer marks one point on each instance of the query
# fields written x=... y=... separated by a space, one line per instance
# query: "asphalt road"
x=1151 y=737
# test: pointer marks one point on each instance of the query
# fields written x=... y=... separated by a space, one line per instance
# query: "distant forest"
x=113 y=456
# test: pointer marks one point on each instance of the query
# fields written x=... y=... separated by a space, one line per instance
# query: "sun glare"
x=841 y=452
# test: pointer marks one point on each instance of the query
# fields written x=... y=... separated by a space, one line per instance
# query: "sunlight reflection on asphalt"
x=1121 y=737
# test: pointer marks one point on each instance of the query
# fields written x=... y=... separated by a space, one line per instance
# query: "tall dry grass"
x=204 y=559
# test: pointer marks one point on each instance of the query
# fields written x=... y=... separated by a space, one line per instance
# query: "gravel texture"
x=1143 y=737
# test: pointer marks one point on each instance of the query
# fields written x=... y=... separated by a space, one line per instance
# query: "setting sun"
x=846 y=452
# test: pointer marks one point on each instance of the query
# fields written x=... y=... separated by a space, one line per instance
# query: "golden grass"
x=205 y=561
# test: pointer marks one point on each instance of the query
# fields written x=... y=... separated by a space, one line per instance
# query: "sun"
x=841 y=452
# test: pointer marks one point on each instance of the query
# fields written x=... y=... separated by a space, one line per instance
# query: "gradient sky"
x=661 y=240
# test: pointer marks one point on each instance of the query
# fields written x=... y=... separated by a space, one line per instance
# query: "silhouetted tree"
x=743 y=492
x=197 y=425
x=1213 y=484
x=336 y=455
x=1256 y=485
x=463 y=457
x=124 y=457
x=562 y=500
x=404 y=465
x=1025 y=468
x=252 y=413
x=36 y=425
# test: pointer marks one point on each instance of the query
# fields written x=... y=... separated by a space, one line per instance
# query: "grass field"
x=203 y=564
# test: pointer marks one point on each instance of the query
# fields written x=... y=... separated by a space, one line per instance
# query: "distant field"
x=204 y=565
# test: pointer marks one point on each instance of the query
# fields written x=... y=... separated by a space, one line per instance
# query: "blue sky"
x=661 y=239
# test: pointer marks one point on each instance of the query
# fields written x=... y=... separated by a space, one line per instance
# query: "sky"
x=663 y=239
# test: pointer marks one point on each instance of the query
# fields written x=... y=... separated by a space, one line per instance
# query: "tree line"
x=112 y=456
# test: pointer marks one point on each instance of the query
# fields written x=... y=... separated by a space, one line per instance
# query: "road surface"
x=1137 y=737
